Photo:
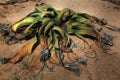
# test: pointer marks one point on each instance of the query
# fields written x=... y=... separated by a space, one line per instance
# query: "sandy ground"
x=106 y=67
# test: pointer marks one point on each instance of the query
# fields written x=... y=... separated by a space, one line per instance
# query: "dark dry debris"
x=117 y=2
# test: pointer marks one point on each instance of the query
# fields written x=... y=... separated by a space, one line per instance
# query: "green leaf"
x=22 y=23
x=48 y=26
x=59 y=30
x=56 y=40
x=63 y=14
x=45 y=21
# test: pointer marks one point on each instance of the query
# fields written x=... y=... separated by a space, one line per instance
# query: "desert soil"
x=106 y=67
